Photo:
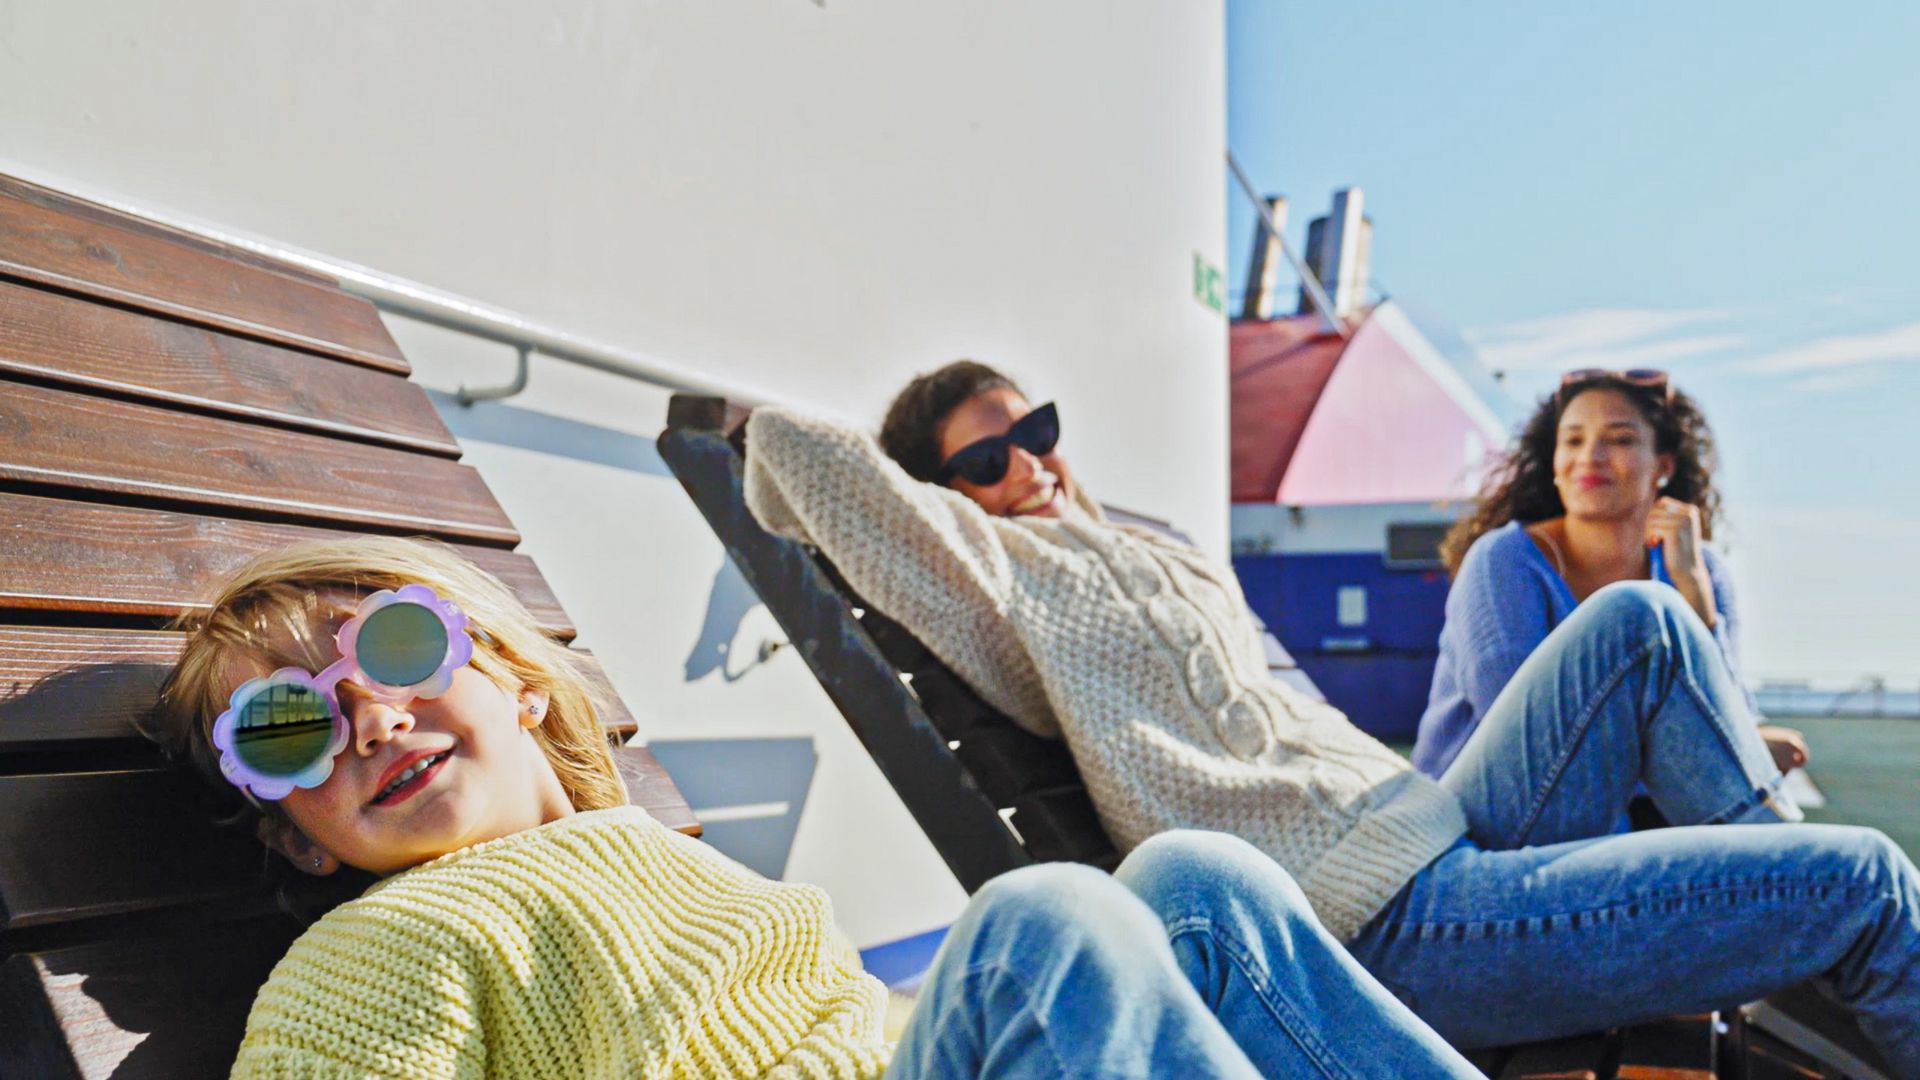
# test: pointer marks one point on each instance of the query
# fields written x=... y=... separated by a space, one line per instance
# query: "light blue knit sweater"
x=1505 y=601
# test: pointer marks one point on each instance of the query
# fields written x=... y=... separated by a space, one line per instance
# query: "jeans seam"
x=1852 y=890
x=1592 y=709
x=1748 y=800
x=1290 y=1022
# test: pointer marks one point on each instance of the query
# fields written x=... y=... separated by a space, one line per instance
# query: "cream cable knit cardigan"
x=1134 y=647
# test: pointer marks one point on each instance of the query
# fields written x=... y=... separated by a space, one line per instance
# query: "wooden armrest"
x=651 y=789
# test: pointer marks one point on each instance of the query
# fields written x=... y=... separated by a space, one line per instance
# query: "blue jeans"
x=1540 y=925
x=1200 y=957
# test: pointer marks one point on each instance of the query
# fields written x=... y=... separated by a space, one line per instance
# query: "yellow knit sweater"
x=600 y=945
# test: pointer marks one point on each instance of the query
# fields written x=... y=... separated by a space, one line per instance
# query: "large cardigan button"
x=1207 y=678
x=1243 y=728
x=1176 y=620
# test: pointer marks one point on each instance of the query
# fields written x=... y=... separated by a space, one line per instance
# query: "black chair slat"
x=1062 y=826
x=1010 y=763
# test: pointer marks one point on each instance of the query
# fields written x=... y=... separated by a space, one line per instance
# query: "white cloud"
x=1615 y=338
x=1845 y=350
x=1836 y=382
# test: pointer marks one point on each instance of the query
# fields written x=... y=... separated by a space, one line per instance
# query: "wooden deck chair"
x=169 y=408
x=992 y=797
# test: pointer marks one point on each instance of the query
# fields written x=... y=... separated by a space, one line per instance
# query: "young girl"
x=383 y=705
x=1492 y=901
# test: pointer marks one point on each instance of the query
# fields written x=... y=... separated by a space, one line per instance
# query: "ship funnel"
x=1338 y=247
x=1263 y=269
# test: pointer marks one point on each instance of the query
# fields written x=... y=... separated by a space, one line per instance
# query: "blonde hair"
x=282 y=589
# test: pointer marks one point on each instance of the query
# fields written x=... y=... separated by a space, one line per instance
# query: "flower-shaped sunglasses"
x=284 y=730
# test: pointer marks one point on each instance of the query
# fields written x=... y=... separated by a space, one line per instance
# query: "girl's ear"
x=286 y=838
x=533 y=707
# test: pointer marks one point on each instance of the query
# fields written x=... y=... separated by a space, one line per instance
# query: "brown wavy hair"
x=910 y=434
x=1520 y=487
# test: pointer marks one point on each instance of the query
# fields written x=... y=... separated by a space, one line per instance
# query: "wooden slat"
x=104 y=215
x=67 y=685
x=61 y=686
x=143 y=839
x=1579 y=1058
x=49 y=335
x=127 y=840
x=1677 y=1048
x=651 y=789
x=56 y=240
x=72 y=440
x=159 y=1007
x=68 y=556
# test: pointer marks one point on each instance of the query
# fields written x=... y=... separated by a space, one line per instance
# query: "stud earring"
x=316 y=862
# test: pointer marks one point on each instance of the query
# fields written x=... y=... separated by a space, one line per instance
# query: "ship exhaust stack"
x=1263 y=269
x=1338 y=249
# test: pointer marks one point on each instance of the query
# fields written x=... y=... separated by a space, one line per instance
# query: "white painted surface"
x=812 y=201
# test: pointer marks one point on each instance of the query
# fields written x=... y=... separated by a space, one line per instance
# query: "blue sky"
x=1723 y=190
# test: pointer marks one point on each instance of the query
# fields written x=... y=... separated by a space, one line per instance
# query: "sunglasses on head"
x=1651 y=380
x=984 y=462
x=283 y=731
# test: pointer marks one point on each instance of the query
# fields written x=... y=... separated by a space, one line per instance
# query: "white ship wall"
x=813 y=200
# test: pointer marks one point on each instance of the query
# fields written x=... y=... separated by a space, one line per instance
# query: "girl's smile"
x=408 y=775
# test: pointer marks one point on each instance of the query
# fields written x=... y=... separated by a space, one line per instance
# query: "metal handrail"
x=435 y=307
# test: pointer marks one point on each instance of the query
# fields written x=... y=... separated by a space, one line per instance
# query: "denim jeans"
x=1200 y=957
x=1540 y=925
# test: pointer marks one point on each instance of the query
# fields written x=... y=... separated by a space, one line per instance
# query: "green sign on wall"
x=1209 y=284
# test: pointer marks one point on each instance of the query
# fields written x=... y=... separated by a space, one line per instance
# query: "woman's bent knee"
x=1877 y=860
x=1209 y=868
x=1058 y=894
x=1635 y=601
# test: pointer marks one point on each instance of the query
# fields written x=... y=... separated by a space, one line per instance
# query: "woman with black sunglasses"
x=1611 y=480
x=1495 y=901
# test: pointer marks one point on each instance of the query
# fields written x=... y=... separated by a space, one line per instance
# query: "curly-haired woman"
x=1611 y=480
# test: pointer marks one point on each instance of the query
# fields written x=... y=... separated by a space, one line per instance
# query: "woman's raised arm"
x=927 y=557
